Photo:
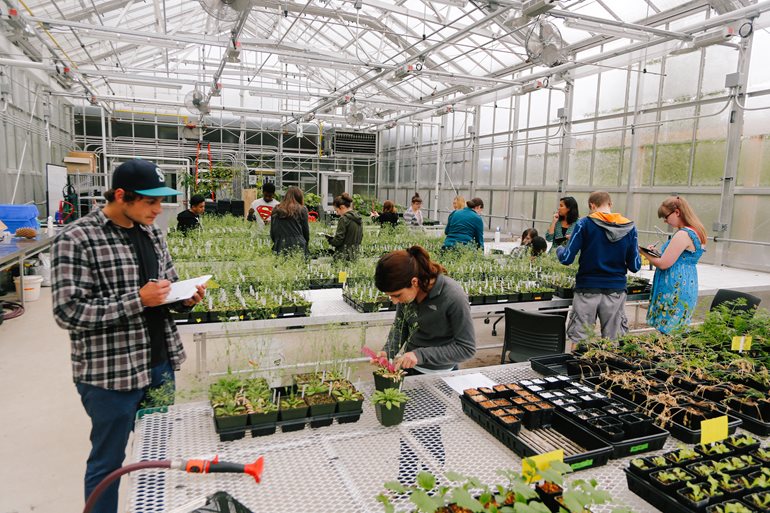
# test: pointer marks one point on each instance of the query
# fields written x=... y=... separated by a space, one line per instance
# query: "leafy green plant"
x=347 y=394
x=715 y=448
x=163 y=395
x=229 y=408
x=682 y=454
x=702 y=491
x=292 y=401
x=672 y=475
x=743 y=440
x=762 y=500
x=389 y=398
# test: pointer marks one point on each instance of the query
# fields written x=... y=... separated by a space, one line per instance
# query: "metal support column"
x=567 y=140
x=633 y=164
x=398 y=163
x=734 y=132
x=438 y=172
x=475 y=150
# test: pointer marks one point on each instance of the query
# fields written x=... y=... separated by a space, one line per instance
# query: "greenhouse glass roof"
x=360 y=62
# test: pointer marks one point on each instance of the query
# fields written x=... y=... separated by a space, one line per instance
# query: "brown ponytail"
x=395 y=270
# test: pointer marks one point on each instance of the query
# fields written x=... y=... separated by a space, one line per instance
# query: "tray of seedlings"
x=627 y=431
x=528 y=425
x=731 y=476
x=673 y=409
x=747 y=403
x=241 y=406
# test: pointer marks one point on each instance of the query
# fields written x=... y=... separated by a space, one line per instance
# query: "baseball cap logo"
x=158 y=172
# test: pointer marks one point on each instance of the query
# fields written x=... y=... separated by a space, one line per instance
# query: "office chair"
x=529 y=334
x=726 y=295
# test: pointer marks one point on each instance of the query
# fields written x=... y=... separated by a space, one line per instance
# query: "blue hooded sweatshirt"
x=464 y=226
x=608 y=249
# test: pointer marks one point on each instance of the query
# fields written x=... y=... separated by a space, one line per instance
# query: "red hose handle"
x=215 y=466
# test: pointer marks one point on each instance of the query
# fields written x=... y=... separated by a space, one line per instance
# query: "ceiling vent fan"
x=196 y=102
x=225 y=10
x=545 y=45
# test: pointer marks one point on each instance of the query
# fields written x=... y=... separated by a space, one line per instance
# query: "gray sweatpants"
x=610 y=308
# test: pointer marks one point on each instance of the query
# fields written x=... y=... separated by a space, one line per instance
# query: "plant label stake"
x=741 y=344
x=713 y=430
x=343 y=277
x=303 y=391
x=532 y=465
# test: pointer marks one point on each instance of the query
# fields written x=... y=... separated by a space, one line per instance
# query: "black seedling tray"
x=679 y=431
x=653 y=495
x=269 y=428
x=582 y=449
x=752 y=424
x=486 y=421
x=552 y=364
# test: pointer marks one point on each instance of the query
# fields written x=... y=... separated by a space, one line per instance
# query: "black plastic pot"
x=349 y=407
x=669 y=486
x=749 y=500
x=296 y=414
x=230 y=422
x=635 y=424
x=714 y=507
x=390 y=417
x=548 y=498
x=682 y=495
x=381 y=383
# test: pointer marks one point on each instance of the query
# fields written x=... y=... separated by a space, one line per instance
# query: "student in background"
x=350 y=229
x=524 y=243
x=608 y=247
x=190 y=219
x=289 y=229
x=413 y=214
x=537 y=247
x=563 y=222
x=388 y=216
x=466 y=226
x=675 y=285
x=264 y=206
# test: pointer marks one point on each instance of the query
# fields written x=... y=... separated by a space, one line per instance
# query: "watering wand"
x=190 y=466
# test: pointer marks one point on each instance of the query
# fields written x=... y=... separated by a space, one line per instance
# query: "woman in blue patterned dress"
x=675 y=286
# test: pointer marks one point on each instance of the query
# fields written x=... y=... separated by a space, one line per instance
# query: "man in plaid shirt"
x=111 y=274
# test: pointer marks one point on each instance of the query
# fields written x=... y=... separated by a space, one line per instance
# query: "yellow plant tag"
x=741 y=344
x=713 y=430
x=211 y=284
x=645 y=262
x=542 y=462
x=343 y=276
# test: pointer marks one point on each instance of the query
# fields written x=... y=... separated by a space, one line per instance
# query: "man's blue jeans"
x=112 y=416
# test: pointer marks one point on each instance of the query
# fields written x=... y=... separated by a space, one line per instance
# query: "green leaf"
x=454 y=476
x=463 y=499
x=426 y=480
x=389 y=508
x=395 y=486
x=423 y=501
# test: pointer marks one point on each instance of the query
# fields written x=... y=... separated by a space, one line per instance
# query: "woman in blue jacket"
x=466 y=226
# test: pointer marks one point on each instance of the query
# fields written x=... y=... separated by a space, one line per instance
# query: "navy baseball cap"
x=142 y=177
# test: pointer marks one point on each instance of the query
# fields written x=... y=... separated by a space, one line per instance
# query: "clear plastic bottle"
x=497 y=234
x=49 y=226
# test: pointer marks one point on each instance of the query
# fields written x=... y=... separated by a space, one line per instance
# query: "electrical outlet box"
x=561 y=112
x=718 y=227
x=733 y=79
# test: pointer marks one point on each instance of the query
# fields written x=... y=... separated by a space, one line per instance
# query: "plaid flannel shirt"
x=96 y=297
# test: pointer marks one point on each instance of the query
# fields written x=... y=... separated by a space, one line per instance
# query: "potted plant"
x=742 y=443
x=697 y=496
x=349 y=400
x=732 y=506
x=263 y=413
x=385 y=374
x=759 y=501
x=293 y=408
x=230 y=414
x=713 y=449
x=671 y=478
x=318 y=396
x=389 y=405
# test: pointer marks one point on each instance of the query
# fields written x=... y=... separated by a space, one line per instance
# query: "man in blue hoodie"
x=608 y=248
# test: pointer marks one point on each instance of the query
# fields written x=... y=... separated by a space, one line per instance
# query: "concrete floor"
x=44 y=433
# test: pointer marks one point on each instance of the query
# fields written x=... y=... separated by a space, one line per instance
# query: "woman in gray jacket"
x=289 y=229
x=433 y=330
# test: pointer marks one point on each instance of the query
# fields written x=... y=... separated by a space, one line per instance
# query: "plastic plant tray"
x=269 y=428
x=582 y=449
x=653 y=495
x=679 y=431
x=633 y=446
x=552 y=364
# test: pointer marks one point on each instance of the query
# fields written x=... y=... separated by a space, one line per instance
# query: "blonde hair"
x=458 y=202
x=689 y=218
x=599 y=199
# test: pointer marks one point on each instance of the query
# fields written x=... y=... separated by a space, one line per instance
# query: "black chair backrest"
x=726 y=295
x=529 y=334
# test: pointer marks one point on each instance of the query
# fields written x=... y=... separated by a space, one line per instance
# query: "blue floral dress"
x=675 y=290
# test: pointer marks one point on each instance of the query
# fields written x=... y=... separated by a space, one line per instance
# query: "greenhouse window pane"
x=672 y=163
x=613 y=91
x=709 y=163
x=535 y=163
x=580 y=162
x=754 y=163
x=519 y=163
x=720 y=60
x=584 y=97
x=680 y=83
x=759 y=71
x=552 y=168
x=755 y=208
x=486 y=123
x=650 y=82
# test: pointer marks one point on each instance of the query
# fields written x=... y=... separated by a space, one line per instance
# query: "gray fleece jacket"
x=441 y=327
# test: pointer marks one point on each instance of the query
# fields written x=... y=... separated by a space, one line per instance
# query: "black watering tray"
x=679 y=431
x=552 y=364
x=653 y=495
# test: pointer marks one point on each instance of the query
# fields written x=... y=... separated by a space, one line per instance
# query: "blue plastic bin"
x=19 y=216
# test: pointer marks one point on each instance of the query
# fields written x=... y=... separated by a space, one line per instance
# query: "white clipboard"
x=185 y=289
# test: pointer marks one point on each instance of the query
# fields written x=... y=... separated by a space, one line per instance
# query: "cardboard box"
x=80 y=162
